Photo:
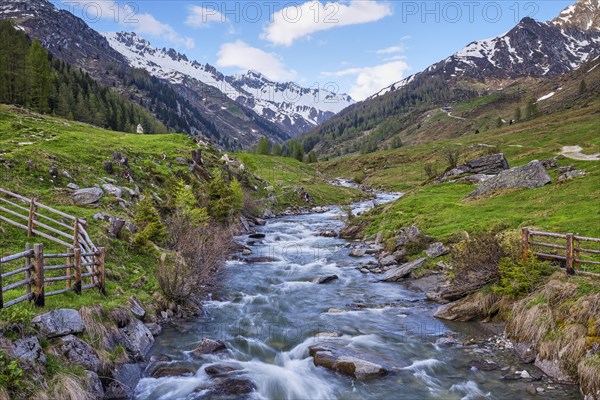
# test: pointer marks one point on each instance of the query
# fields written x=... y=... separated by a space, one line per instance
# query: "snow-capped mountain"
x=531 y=48
x=295 y=109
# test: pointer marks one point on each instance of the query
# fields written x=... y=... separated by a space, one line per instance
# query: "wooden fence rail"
x=572 y=249
x=35 y=280
x=58 y=227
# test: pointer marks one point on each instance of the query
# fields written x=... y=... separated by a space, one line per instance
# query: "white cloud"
x=390 y=50
x=239 y=54
x=298 y=21
x=128 y=17
x=370 y=80
x=202 y=17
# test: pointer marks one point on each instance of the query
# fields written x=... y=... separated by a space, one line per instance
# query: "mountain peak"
x=583 y=15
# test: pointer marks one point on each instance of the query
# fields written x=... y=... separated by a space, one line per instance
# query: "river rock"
x=532 y=175
x=94 y=385
x=255 y=260
x=220 y=369
x=162 y=370
x=268 y=214
x=464 y=310
x=388 y=261
x=137 y=338
x=113 y=189
x=58 y=322
x=437 y=249
x=555 y=370
x=125 y=379
x=72 y=186
x=225 y=388
x=400 y=272
x=408 y=235
x=29 y=352
x=136 y=307
x=330 y=234
x=326 y=279
x=154 y=328
x=484 y=365
x=346 y=364
x=525 y=351
x=208 y=346
x=257 y=235
x=357 y=253
x=79 y=352
x=87 y=195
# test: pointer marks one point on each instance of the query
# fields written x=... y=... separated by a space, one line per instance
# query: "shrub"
x=226 y=199
x=430 y=170
x=359 y=177
x=187 y=206
x=150 y=226
x=11 y=374
x=519 y=278
x=475 y=261
x=452 y=155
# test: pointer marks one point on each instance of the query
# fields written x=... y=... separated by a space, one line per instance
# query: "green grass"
x=286 y=174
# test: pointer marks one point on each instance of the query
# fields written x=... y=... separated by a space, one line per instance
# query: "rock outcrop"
x=532 y=175
x=87 y=195
x=59 y=322
x=402 y=271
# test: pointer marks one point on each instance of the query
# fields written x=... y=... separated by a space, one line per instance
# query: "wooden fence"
x=38 y=274
x=571 y=253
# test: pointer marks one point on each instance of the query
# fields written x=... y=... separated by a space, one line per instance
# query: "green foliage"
x=531 y=109
x=19 y=315
x=582 y=87
x=359 y=177
x=151 y=228
x=187 y=206
x=519 y=278
x=475 y=261
x=276 y=150
x=499 y=122
x=518 y=113
x=312 y=157
x=264 y=147
x=11 y=374
x=226 y=199
x=31 y=77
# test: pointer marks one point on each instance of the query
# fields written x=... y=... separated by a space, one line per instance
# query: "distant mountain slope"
x=294 y=109
x=195 y=108
x=529 y=50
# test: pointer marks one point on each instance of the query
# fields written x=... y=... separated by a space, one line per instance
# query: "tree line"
x=33 y=78
x=292 y=148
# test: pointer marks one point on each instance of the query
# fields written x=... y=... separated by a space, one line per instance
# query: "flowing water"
x=270 y=313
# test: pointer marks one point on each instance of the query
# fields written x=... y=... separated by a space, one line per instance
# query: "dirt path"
x=574 y=153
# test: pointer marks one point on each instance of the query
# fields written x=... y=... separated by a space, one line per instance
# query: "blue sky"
x=351 y=46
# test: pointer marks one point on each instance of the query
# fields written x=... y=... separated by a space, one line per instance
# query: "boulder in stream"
x=345 y=363
x=402 y=271
x=208 y=346
x=326 y=279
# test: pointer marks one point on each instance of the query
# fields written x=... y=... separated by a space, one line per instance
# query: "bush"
x=430 y=170
x=187 y=206
x=452 y=155
x=11 y=374
x=518 y=278
x=359 y=177
x=226 y=199
x=150 y=226
x=475 y=261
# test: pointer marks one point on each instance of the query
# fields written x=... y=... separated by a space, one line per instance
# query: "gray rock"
x=29 y=351
x=436 y=250
x=137 y=338
x=326 y=279
x=94 y=385
x=447 y=341
x=529 y=176
x=162 y=370
x=455 y=173
x=550 y=163
x=257 y=236
x=136 y=307
x=221 y=369
x=330 y=234
x=229 y=388
x=73 y=186
x=154 y=328
x=408 y=235
x=256 y=260
x=268 y=214
x=475 y=179
x=114 y=190
x=66 y=174
x=388 y=261
x=396 y=274
x=246 y=252
x=181 y=161
x=489 y=165
x=555 y=370
x=244 y=223
x=79 y=352
x=208 y=346
x=565 y=169
x=571 y=175
x=463 y=310
x=345 y=363
x=87 y=195
x=59 y=322
x=525 y=351
x=126 y=378
x=357 y=253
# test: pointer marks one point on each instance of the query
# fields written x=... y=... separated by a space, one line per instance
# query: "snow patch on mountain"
x=292 y=107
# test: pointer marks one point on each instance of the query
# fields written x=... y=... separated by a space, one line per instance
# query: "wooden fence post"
x=76 y=234
x=69 y=263
x=524 y=243
x=31 y=221
x=570 y=254
x=77 y=285
x=28 y=272
x=38 y=295
x=101 y=267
